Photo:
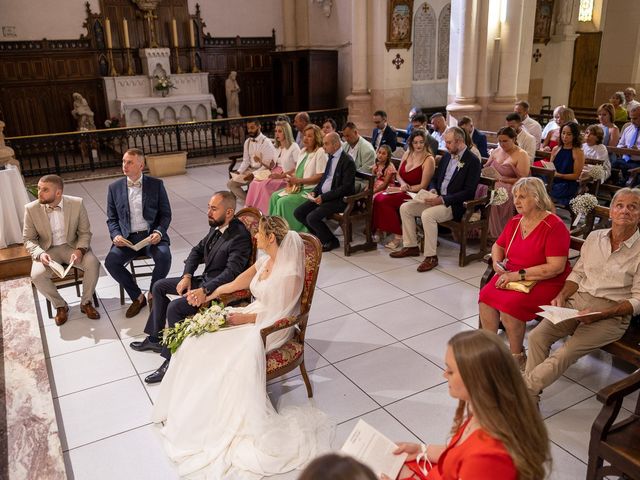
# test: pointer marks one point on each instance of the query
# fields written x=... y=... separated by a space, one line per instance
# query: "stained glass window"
x=586 y=11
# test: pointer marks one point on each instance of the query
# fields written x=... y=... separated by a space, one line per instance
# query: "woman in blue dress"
x=568 y=159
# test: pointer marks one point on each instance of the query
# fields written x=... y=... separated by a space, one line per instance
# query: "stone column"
x=465 y=65
x=359 y=102
x=289 y=20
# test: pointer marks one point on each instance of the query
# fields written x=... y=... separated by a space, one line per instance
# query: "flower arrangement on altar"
x=163 y=84
x=207 y=320
x=217 y=113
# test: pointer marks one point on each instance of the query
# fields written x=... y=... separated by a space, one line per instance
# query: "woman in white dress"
x=218 y=420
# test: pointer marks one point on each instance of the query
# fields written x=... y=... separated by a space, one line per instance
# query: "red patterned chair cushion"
x=284 y=355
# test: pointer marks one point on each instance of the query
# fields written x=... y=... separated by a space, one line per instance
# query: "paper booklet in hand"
x=140 y=245
x=261 y=175
x=372 y=448
x=239 y=178
x=421 y=195
x=490 y=172
x=59 y=269
x=559 y=314
x=549 y=165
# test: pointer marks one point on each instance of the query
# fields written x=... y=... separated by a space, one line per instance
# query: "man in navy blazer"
x=225 y=252
x=137 y=207
x=383 y=133
x=479 y=139
x=337 y=182
x=455 y=182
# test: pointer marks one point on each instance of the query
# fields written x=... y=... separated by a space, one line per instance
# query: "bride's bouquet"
x=207 y=320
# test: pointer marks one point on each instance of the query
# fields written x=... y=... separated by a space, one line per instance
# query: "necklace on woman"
x=528 y=227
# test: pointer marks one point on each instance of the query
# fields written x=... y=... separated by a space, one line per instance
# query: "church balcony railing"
x=97 y=149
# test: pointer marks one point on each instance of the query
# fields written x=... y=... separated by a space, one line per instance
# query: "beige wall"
x=246 y=18
x=38 y=19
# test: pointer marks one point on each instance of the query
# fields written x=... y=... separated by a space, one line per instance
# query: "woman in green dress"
x=301 y=180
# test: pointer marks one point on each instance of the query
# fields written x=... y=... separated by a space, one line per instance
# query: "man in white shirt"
x=57 y=228
x=606 y=281
x=630 y=138
x=259 y=154
x=533 y=127
x=630 y=99
x=439 y=125
x=525 y=139
x=300 y=121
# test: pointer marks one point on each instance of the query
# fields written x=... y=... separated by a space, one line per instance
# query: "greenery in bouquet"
x=207 y=320
x=163 y=83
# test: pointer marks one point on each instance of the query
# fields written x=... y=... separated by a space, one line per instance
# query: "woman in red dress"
x=534 y=245
x=414 y=174
x=497 y=431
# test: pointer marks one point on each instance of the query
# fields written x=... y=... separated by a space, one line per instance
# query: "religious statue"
x=82 y=113
x=233 y=100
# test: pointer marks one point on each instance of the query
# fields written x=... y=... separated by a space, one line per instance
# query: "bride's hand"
x=241 y=318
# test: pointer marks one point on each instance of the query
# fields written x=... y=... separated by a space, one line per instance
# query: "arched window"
x=444 y=26
x=586 y=11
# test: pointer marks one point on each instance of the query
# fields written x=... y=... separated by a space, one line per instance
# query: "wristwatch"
x=522 y=273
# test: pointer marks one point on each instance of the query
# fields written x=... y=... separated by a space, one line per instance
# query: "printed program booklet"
x=59 y=269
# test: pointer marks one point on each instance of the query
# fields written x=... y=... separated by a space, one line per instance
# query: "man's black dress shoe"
x=145 y=345
x=158 y=375
x=327 y=247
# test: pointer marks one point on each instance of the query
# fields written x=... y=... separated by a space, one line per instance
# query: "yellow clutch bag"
x=293 y=188
x=522 y=286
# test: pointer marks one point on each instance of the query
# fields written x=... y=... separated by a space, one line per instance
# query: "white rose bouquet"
x=499 y=196
x=163 y=83
x=581 y=205
x=207 y=320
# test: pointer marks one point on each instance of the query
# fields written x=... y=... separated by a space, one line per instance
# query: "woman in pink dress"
x=512 y=163
x=287 y=151
x=534 y=245
x=415 y=172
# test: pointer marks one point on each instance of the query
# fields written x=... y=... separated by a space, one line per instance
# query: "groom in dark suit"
x=455 y=182
x=137 y=207
x=337 y=182
x=225 y=252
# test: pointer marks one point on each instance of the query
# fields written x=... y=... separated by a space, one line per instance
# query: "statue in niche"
x=232 y=89
x=82 y=113
x=159 y=72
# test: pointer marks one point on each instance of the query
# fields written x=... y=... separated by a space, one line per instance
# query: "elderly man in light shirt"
x=604 y=287
x=259 y=154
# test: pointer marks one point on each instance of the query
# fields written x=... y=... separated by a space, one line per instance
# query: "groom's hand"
x=183 y=285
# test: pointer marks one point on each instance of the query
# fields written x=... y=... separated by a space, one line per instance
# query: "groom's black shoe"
x=158 y=375
x=327 y=247
x=145 y=345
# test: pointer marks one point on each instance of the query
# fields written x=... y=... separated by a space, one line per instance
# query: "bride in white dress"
x=218 y=420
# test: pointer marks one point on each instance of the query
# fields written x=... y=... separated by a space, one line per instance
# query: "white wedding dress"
x=218 y=420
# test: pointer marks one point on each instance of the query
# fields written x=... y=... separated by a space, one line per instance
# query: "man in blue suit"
x=383 y=133
x=137 y=207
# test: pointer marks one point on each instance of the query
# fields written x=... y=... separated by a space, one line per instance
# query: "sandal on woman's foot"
x=394 y=244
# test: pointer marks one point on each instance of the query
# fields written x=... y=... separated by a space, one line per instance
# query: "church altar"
x=136 y=102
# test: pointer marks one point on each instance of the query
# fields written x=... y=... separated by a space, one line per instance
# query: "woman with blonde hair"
x=497 y=431
x=286 y=156
x=310 y=166
x=562 y=116
x=534 y=245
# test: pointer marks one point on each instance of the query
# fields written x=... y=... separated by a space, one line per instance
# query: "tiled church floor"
x=375 y=348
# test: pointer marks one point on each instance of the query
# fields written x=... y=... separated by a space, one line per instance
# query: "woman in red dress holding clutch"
x=534 y=245
x=497 y=431
x=414 y=174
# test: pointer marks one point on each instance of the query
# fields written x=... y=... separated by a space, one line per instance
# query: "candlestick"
x=125 y=27
x=192 y=37
x=130 y=70
x=112 y=68
x=194 y=66
x=174 y=27
x=107 y=27
x=178 y=69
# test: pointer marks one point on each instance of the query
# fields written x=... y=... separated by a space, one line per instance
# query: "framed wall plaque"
x=542 y=28
x=399 y=22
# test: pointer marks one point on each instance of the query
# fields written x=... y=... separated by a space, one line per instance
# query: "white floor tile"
x=135 y=454
x=333 y=393
x=406 y=317
x=449 y=264
x=459 y=300
x=429 y=414
x=398 y=373
x=346 y=336
x=143 y=362
x=335 y=270
x=128 y=327
x=364 y=292
x=565 y=466
x=433 y=345
x=78 y=333
x=312 y=361
x=90 y=367
x=103 y=411
x=411 y=281
x=560 y=395
x=382 y=421
x=378 y=260
x=324 y=307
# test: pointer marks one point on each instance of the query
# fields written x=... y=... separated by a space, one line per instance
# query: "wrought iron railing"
x=91 y=150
